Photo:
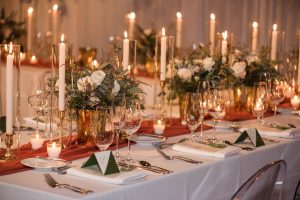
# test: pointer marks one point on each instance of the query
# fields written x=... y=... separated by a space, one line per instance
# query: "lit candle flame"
x=54 y=144
x=179 y=15
x=159 y=122
x=62 y=38
x=55 y=7
x=125 y=35
x=163 y=31
x=30 y=10
x=255 y=25
x=274 y=27
x=131 y=15
x=224 y=35
x=212 y=16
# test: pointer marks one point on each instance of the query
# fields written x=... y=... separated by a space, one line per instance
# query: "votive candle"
x=53 y=149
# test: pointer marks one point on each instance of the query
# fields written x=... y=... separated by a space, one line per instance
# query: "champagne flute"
x=277 y=94
x=193 y=116
x=132 y=122
x=104 y=134
x=118 y=112
x=216 y=107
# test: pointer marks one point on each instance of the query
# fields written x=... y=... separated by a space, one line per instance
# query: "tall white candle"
x=212 y=32
x=9 y=91
x=29 y=29
x=61 y=76
x=125 y=52
x=178 y=30
x=55 y=23
x=299 y=61
x=254 y=37
x=224 y=44
x=131 y=24
x=163 y=55
x=274 y=42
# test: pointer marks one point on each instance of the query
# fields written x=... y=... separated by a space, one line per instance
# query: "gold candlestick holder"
x=61 y=119
x=9 y=140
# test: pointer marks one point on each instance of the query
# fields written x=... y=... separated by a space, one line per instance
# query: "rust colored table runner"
x=77 y=151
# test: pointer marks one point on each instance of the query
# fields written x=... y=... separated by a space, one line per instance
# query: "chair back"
x=266 y=184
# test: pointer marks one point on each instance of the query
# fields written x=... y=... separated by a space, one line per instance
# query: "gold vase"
x=85 y=127
x=243 y=98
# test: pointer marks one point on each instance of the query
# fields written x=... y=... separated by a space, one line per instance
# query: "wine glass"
x=216 y=106
x=260 y=103
x=132 y=122
x=118 y=113
x=277 y=94
x=193 y=115
x=40 y=103
x=203 y=100
x=104 y=134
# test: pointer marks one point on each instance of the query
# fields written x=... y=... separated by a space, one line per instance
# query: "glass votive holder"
x=36 y=140
x=53 y=149
x=159 y=127
x=295 y=102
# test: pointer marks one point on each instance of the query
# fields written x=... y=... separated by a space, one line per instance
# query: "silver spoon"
x=147 y=164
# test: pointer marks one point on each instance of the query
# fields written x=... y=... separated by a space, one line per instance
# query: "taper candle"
x=125 y=51
x=179 y=21
x=29 y=29
x=61 y=76
x=274 y=42
x=224 y=44
x=9 y=90
x=131 y=24
x=212 y=32
x=163 y=55
x=254 y=37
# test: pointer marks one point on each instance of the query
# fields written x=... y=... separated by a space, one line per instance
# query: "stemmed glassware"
x=203 y=100
x=277 y=94
x=216 y=106
x=104 y=134
x=118 y=113
x=260 y=101
x=133 y=119
x=193 y=115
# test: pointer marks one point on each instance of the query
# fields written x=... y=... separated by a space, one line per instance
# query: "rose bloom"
x=97 y=77
x=208 y=63
x=239 y=69
x=116 y=88
x=185 y=74
x=84 y=84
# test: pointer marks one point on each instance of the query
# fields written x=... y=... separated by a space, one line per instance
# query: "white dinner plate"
x=39 y=163
x=220 y=124
x=147 y=139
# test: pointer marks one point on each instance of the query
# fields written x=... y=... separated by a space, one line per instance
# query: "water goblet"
x=132 y=122
x=193 y=115
x=277 y=94
x=104 y=134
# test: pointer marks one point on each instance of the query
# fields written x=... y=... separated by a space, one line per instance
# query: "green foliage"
x=10 y=30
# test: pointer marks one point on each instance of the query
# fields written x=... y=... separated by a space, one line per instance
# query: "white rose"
x=239 y=69
x=208 y=63
x=185 y=74
x=97 y=77
x=116 y=88
x=198 y=61
x=252 y=58
x=84 y=83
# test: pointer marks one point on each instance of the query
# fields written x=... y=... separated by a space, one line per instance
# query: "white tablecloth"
x=215 y=179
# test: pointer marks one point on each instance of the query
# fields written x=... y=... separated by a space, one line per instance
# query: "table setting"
x=220 y=112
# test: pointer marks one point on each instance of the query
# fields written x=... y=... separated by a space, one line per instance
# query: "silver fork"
x=53 y=183
x=177 y=157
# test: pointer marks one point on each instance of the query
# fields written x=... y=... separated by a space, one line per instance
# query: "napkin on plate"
x=205 y=150
x=121 y=178
x=274 y=132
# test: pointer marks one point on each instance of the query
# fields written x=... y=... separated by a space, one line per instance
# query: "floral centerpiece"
x=239 y=71
x=88 y=87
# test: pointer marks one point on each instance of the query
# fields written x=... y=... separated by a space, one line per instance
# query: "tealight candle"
x=295 y=101
x=33 y=59
x=289 y=92
x=36 y=141
x=53 y=149
x=159 y=127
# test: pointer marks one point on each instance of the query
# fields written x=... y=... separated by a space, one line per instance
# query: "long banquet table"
x=213 y=180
